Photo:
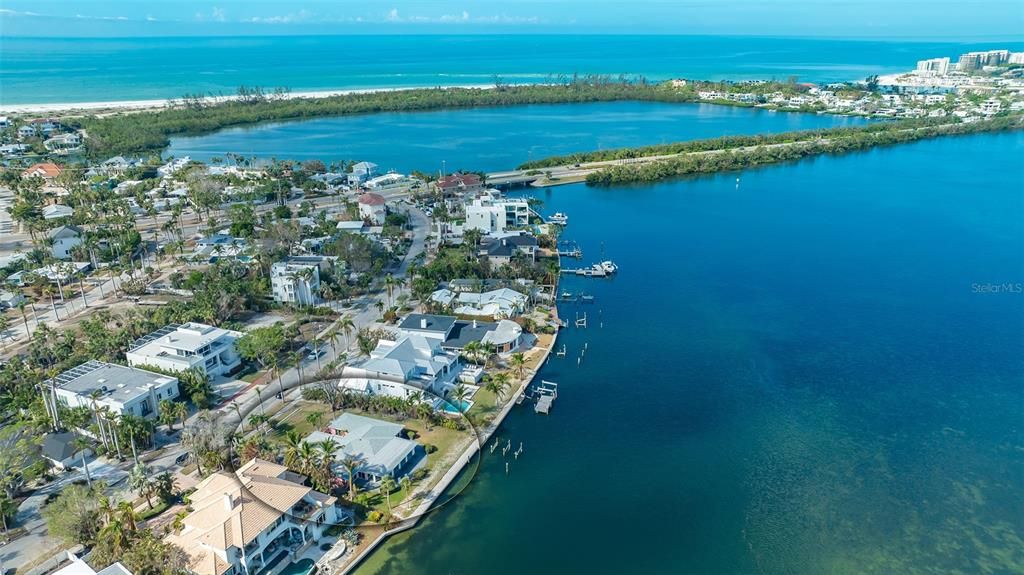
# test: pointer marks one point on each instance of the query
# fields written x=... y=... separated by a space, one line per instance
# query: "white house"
x=78 y=567
x=494 y=216
x=243 y=522
x=376 y=444
x=121 y=389
x=419 y=362
x=65 y=239
x=57 y=211
x=296 y=279
x=63 y=142
x=209 y=349
x=499 y=303
x=372 y=208
x=361 y=172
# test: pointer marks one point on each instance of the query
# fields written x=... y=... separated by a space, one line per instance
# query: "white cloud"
x=9 y=12
x=463 y=17
x=300 y=16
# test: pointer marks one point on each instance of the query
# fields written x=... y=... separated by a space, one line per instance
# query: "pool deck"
x=435 y=492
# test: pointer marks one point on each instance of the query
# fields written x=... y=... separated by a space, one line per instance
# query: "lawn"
x=292 y=417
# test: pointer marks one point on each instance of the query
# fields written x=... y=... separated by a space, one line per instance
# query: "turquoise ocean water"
x=37 y=70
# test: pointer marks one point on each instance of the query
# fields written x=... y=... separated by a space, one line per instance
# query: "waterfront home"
x=454 y=334
x=14 y=149
x=243 y=522
x=500 y=303
x=63 y=449
x=372 y=208
x=377 y=445
x=419 y=362
x=42 y=127
x=211 y=350
x=173 y=166
x=296 y=279
x=361 y=172
x=500 y=251
x=65 y=239
x=465 y=184
x=121 y=389
x=494 y=217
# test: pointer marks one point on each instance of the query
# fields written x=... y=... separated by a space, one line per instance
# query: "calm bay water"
x=800 y=374
x=38 y=70
x=492 y=139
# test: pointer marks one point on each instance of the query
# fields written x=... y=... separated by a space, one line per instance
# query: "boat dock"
x=585 y=272
x=544 y=393
x=569 y=249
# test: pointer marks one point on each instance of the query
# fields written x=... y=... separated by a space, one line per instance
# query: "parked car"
x=181 y=458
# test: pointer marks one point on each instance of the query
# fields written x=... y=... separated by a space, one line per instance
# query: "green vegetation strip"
x=150 y=131
x=727 y=154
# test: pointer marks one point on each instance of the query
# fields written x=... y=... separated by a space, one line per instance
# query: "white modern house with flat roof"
x=493 y=216
x=209 y=349
x=375 y=443
x=243 y=522
x=296 y=280
x=123 y=390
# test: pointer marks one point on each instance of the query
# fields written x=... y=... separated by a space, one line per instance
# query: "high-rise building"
x=933 y=67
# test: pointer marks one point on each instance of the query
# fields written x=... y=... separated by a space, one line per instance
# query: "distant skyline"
x=881 y=19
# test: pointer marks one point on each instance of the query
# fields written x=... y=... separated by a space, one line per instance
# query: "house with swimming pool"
x=408 y=365
x=243 y=522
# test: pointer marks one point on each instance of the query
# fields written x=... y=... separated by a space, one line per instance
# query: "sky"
x=955 y=20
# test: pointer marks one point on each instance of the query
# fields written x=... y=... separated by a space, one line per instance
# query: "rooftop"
x=375 y=442
x=189 y=336
x=371 y=199
x=118 y=382
x=427 y=322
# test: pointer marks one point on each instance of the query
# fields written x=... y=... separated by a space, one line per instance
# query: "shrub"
x=374 y=516
x=430 y=448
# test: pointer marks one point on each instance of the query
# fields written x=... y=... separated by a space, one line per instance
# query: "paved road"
x=36 y=542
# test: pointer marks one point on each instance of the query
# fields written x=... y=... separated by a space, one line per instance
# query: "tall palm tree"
x=347 y=326
x=307 y=457
x=460 y=393
x=387 y=485
x=4 y=326
x=292 y=445
x=351 y=464
x=24 y=316
x=519 y=363
x=497 y=385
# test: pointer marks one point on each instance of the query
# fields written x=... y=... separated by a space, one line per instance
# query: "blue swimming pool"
x=303 y=567
x=452 y=407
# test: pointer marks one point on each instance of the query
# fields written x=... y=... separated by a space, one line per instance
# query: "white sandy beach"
x=136 y=105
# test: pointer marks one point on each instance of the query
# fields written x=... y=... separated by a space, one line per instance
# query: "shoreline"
x=460 y=463
x=160 y=104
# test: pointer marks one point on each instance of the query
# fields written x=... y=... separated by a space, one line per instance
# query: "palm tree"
x=406 y=483
x=347 y=326
x=387 y=485
x=140 y=483
x=314 y=418
x=519 y=363
x=4 y=326
x=351 y=463
x=307 y=457
x=81 y=445
x=379 y=305
x=497 y=385
x=325 y=463
x=24 y=316
x=460 y=393
x=292 y=444
x=180 y=412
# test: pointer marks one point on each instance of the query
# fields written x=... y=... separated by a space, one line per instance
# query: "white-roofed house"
x=375 y=443
x=123 y=390
x=501 y=303
x=209 y=349
x=417 y=360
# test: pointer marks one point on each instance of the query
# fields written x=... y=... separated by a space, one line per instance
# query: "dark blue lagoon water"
x=493 y=139
x=815 y=371
x=38 y=70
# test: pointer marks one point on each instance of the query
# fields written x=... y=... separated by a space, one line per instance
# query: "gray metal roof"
x=118 y=381
x=434 y=323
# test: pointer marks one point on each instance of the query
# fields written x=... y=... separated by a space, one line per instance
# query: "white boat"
x=559 y=218
x=608 y=266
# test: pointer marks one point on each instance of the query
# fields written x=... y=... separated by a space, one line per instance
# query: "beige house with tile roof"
x=243 y=521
